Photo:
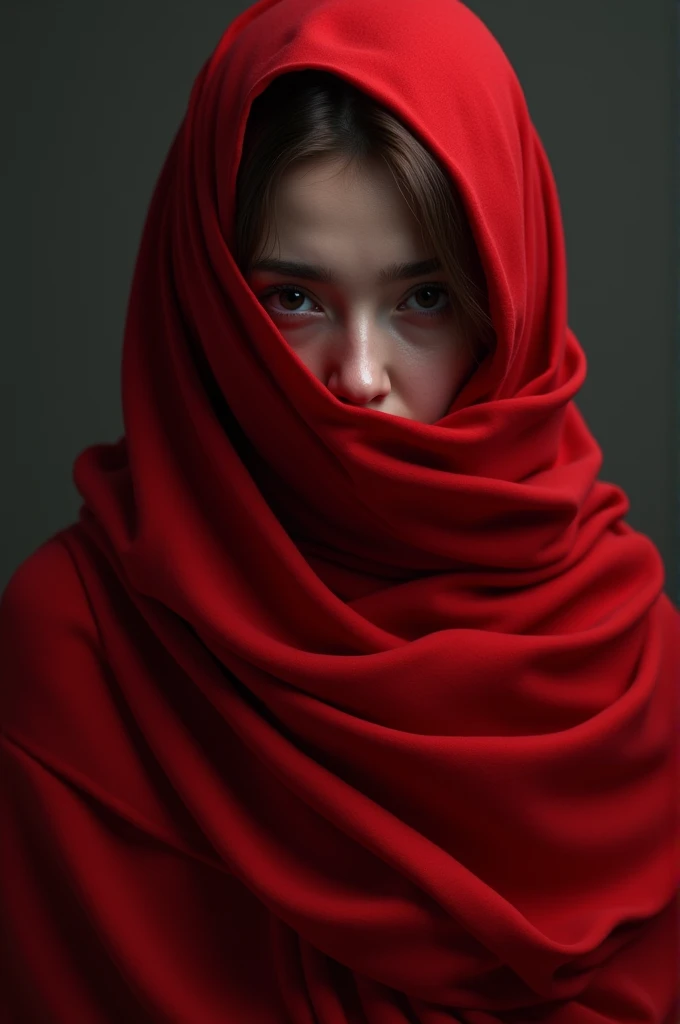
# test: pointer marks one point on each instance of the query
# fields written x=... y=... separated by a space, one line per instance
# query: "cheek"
x=439 y=367
x=431 y=384
x=310 y=354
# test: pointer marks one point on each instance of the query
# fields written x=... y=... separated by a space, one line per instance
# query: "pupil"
x=431 y=291
x=291 y=291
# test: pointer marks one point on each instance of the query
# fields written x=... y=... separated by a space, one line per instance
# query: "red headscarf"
x=380 y=718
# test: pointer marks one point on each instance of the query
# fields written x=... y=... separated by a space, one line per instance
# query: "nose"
x=358 y=371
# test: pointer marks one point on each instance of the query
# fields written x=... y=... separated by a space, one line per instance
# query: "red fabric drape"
x=324 y=716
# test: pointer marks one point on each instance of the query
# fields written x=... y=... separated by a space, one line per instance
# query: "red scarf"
x=387 y=712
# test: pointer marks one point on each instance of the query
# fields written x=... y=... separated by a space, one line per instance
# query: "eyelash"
x=277 y=289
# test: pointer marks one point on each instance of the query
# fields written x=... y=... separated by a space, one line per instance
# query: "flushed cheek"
x=434 y=370
x=429 y=386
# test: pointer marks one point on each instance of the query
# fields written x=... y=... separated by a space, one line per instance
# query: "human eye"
x=288 y=290
x=434 y=287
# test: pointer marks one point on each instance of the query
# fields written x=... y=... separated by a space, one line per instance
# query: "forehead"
x=323 y=203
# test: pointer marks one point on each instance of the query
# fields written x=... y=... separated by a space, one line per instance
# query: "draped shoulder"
x=80 y=804
x=59 y=702
x=49 y=645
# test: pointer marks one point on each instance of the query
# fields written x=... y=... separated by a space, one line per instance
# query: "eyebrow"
x=310 y=272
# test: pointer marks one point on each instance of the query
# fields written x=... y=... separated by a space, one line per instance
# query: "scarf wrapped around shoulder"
x=412 y=687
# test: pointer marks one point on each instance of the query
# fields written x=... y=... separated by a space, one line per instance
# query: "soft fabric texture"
x=324 y=716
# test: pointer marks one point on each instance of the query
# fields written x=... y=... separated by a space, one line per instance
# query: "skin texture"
x=374 y=344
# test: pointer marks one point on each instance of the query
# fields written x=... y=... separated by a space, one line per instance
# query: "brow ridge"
x=312 y=272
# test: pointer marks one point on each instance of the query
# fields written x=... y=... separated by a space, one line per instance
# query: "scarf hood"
x=437 y=670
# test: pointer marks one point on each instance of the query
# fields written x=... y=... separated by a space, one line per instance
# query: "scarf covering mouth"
x=415 y=686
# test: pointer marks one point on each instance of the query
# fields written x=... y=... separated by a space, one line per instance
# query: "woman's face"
x=376 y=340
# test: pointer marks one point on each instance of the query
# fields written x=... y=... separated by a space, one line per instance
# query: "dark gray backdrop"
x=95 y=93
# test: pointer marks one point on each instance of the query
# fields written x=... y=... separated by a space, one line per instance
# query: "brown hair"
x=311 y=113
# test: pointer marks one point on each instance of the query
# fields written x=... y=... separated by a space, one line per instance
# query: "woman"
x=351 y=697
x=328 y=174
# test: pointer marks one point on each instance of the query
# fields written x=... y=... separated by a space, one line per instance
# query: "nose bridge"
x=362 y=353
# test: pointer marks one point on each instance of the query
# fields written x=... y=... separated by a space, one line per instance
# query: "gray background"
x=95 y=93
